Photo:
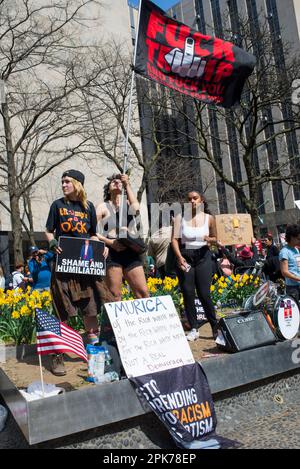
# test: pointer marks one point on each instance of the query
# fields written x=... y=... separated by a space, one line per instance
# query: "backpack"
x=9 y=281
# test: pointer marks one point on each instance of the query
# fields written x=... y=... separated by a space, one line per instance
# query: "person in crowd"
x=158 y=248
x=272 y=269
x=122 y=261
x=289 y=257
x=247 y=256
x=2 y=278
x=39 y=267
x=226 y=267
x=271 y=248
x=152 y=270
x=192 y=233
x=28 y=275
x=74 y=216
x=150 y=267
x=17 y=278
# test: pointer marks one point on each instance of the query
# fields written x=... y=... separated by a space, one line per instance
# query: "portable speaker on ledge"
x=246 y=330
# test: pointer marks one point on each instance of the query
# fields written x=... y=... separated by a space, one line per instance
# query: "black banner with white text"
x=182 y=400
x=204 y=67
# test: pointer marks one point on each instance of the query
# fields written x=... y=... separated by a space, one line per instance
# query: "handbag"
x=136 y=244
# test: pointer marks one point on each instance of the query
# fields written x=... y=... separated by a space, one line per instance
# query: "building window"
x=275 y=30
x=200 y=16
x=216 y=14
x=273 y=158
x=273 y=18
x=223 y=208
x=254 y=27
x=234 y=156
x=235 y=22
x=216 y=147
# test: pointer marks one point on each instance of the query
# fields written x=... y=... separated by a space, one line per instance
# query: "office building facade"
x=276 y=199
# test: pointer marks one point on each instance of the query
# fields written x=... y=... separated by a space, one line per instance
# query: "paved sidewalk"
x=264 y=417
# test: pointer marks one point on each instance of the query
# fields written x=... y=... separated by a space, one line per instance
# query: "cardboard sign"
x=81 y=256
x=234 y=229
x=149 y=335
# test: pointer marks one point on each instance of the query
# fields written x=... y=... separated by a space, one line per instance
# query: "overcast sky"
x=164 y=4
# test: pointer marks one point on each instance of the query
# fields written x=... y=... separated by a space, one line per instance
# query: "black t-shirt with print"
x=72 y=219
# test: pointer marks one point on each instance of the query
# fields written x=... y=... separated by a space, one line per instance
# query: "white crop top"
x=192 y=236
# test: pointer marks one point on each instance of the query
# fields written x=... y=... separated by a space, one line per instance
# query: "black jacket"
x=239 y=262
x=272 y=251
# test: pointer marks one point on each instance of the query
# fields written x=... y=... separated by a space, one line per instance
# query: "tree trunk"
x=16 y=224
x=28 y=211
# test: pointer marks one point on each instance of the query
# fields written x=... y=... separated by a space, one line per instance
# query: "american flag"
x=55 y=337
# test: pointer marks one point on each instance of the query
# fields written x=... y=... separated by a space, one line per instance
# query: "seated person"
x=247 y=256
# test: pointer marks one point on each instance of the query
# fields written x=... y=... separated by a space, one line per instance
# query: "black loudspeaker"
x=246 y=330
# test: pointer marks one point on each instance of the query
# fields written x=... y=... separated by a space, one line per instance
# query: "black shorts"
x=126 y=259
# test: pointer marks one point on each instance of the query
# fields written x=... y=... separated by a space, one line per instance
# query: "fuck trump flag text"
x=203 y=67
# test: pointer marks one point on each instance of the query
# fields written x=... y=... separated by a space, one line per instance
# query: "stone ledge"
x=111 y=403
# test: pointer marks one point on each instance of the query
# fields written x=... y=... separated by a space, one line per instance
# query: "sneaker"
x=57 y=365
x=192 y=335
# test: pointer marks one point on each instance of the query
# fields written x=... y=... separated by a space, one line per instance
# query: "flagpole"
x=41 y=372
x=129 y=114
x=131 y=90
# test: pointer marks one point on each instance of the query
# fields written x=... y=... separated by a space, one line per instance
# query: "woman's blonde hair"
x=80 y=192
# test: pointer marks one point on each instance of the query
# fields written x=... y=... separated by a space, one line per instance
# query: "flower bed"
x=159 y=287
x=17 y=308
x=233 y=290
x=17 y=314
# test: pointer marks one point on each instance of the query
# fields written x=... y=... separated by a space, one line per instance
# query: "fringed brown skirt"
x=73 y=292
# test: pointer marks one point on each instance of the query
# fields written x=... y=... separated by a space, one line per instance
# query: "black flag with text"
x=203 y=67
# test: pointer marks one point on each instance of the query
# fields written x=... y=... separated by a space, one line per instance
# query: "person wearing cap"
x=74 y=216
x=39 y=267
x=247 y=256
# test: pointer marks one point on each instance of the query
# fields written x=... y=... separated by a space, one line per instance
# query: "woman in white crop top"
x=192 y=233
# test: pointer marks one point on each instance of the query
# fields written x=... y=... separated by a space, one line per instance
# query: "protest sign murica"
x=149 y=334
x=81 y=256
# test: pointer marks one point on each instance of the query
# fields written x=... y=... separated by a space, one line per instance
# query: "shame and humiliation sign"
x=81 y=256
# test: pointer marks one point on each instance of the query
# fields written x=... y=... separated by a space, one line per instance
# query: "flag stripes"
x=55 y=337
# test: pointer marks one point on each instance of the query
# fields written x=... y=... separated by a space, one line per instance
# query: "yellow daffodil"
x=15 y=315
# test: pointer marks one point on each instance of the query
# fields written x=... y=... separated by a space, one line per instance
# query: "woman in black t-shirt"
x=73 y=215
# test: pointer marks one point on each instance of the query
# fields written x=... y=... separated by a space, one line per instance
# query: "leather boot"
x=57 y=365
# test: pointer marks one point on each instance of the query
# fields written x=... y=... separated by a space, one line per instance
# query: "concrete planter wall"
x=106 y=404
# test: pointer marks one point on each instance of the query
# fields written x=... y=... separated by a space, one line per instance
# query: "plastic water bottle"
x=108 y=361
